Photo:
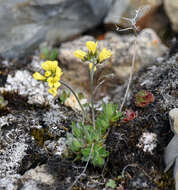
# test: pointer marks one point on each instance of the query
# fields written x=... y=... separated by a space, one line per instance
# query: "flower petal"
x=105 y=54
x=91 y=46
x=49 y=65
x=48 y=73
x=50 y=82
x=38 y=76
x=80 y=54
x=57 y=84
x=53 y=91
x=59 y=72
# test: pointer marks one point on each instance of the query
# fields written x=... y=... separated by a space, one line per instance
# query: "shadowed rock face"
x=25 y=24
x=171 y=8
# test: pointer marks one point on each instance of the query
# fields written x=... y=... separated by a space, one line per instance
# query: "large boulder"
x=24 y=24
x=149 y=48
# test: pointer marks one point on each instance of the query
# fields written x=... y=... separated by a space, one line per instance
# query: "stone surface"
x=171 y=8
x=24 y=84
x=149 y=48
x=127 y=9
x=161 y=78
x=39 y=174
x=24 y=24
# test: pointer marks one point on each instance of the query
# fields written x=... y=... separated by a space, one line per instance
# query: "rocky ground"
x=33 y=125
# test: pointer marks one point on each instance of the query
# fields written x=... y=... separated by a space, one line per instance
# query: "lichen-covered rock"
x=28 y=138
x=18 y=147
x=161 y=80
x=23 y=83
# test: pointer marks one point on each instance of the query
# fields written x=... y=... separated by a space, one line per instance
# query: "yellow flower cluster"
x=92 y=53
x=52 y=74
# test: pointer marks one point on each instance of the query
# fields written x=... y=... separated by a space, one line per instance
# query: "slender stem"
x=73 y=92
x=96 y=88
x=85 y=168
x=131 y=74
x=98 y=85
x=92 y=94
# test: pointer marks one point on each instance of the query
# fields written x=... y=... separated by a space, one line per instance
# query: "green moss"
x=40 y=135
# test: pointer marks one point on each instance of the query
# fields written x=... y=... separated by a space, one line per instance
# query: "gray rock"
x=171 y=8
x=39 y=174
x=149 y=48
x=171 y=152
x=25 y=24
x=127 y=9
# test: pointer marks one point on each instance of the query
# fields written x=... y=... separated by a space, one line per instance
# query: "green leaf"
x=76 y=145
x=98 y=161
x=86 y=153
x=102 y=152
x=89 y=133
x=53 y=55
x=45 y=53
x=64 y=96
x=77 y=131
x=111 y=183
x=81 y=95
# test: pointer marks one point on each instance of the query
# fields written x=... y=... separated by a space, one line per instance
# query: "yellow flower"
x=53 y=82
x=90 y=67
x=50 y=65
x=105 y=54
x=80 y=54
x=91 y=46
x=53 y=91
x=38 y=76
x=59 y=72
x=48 y=73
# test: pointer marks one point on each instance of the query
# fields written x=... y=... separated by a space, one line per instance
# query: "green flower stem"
x=92 y=94
x=73 y=92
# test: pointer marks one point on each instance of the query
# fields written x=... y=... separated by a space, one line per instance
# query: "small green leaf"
x=53 y=54
x=76 y=145
x=85 y=153
x=64 y=96
x=45 y=53
x=76 y=130
x=102 y=152
x=98 y=161
x=111 y=183
x=81 y=95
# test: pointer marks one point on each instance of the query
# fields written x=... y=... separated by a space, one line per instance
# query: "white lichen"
x=24 y=84
x=11 y=157
x=61 y=146
x=147 y=142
